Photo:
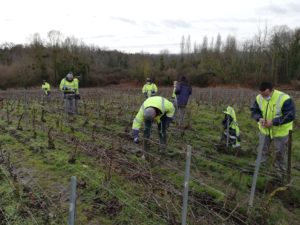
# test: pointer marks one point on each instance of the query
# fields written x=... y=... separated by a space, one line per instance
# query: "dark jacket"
x=183 y=92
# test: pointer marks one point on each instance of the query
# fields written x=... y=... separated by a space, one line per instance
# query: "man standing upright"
x=275 y=112
x=149 y=89
x=69 y=88
x=183 y=91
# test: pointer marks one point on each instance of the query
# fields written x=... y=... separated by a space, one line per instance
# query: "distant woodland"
x=272 y=54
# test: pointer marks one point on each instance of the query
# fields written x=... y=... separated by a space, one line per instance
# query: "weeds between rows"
x=122 y=189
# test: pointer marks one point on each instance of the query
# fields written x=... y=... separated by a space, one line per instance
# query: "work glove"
x=66 y=88
x=135 y=136
x=262 y=121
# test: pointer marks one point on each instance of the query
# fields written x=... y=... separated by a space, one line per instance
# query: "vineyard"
x=41 y=148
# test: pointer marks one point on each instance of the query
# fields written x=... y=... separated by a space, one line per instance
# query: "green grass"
x=214 y=174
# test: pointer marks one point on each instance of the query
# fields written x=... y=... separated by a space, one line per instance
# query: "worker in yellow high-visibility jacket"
x=274 y=112
x=69 y=87
x=149 y=89
x=154 y=109
x=46 y=88
x=231 y=134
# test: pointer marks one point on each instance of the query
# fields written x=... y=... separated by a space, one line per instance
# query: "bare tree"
x=54 y=43
x=218 y=44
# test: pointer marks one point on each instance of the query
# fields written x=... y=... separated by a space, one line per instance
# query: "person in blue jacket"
x=183 y=91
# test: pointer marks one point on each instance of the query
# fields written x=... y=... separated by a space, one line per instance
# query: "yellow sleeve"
x=170 y=110
x=61 y=84
x=144 y=89
x=76 y=87
x=138 y=120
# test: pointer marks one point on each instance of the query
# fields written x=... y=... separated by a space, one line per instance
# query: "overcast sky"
x=139 y=25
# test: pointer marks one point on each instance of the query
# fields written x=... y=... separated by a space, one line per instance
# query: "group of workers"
x=160 y=110
x=273 y=110
x=69 y=86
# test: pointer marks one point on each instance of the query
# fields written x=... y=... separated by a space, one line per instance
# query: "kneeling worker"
x=231 y=134
x=154 y=109
x=46 y=88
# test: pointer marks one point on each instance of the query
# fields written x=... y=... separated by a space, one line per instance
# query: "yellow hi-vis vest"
x=46 y=87
x=77 y=84
x=234 y=125
x=161 y=103
x=272 y=109
x=150 y=89
x=72 y=86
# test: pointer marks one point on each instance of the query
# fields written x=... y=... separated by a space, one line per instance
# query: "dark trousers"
x=181 y=114
x=161 y=127
x=280 y=144
x=69 y=100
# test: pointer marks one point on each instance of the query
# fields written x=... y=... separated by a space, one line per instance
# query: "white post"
x=72 y=209
x=257 y=164
x=227 y=130
x=186 y=184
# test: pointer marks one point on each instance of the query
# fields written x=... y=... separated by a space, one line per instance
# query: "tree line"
x=270 y=55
